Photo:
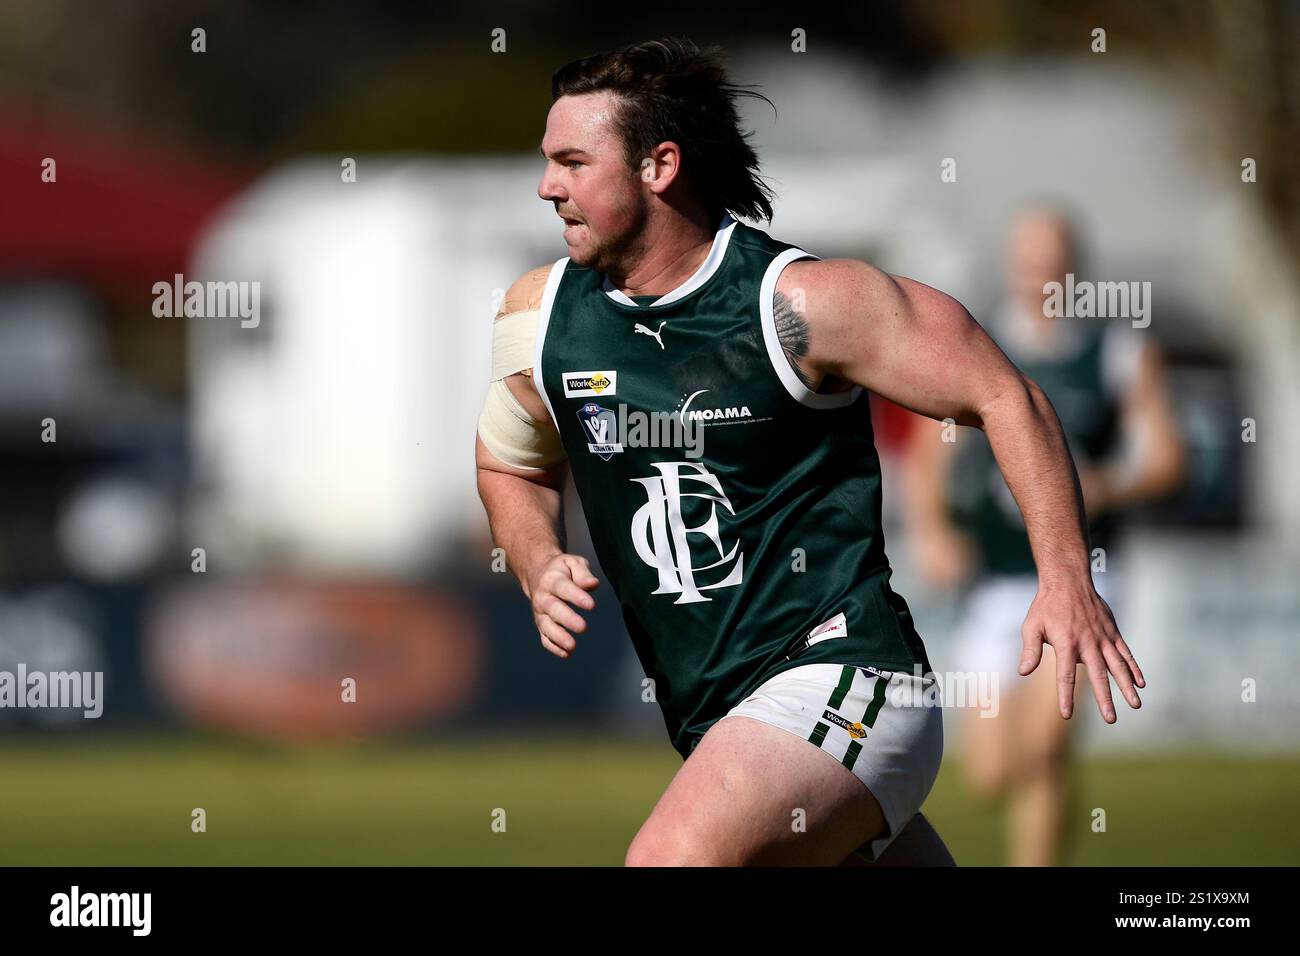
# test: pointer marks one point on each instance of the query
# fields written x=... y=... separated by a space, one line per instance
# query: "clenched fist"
x=562 y=581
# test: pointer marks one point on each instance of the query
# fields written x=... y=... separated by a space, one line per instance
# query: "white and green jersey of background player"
x=725 y=556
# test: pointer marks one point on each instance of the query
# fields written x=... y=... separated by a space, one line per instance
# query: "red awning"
x=125 y=208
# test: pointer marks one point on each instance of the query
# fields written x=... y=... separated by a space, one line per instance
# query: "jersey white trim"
x=784 y=371
x=1121 y=357
x=707 y=268
x=543 y=322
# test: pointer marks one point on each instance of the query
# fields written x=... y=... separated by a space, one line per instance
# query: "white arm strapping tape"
x=507 y=429
x=513 y=338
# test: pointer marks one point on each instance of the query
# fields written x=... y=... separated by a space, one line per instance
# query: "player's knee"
x=1045 y=757
x=986 y=779
x=1042 y=747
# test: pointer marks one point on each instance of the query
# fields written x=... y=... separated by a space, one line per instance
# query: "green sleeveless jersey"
x=733 y=510
x=1075 y=382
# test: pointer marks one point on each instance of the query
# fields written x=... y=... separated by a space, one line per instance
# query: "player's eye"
x=573 y=162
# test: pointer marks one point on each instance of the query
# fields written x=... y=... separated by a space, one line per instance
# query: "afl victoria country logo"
x=600 y=426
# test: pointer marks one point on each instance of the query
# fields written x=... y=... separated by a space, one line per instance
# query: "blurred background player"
x=1107 y=382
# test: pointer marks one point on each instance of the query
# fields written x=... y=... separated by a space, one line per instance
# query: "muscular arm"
x=1157 y=458
x=920 y=348
x=525 y=509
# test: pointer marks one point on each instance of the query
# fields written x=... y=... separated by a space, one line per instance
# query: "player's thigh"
x=987 y=743
x=1042 y=734
x=752 y=793
x=988 y=652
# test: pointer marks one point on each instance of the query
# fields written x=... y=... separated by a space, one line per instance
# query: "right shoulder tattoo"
x=792 y=332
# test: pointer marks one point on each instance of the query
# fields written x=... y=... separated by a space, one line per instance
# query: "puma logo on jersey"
x=654 y=335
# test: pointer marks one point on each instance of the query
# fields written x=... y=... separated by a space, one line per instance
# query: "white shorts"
x=885 y=726
x=988 y=641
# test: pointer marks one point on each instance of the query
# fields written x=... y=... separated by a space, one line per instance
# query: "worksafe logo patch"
x=589 y=384
x=855 y=728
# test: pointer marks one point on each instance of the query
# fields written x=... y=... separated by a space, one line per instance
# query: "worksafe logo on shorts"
x=855 y=728
x=589 y=384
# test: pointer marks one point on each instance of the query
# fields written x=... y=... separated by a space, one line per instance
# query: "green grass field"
x=568 y=802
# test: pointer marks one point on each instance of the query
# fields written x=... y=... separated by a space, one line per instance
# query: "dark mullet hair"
x=671 y=89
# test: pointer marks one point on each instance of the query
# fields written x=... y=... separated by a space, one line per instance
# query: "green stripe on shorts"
x=819 y=733
x=842 y=689
x=877 y=701
x=851 y=754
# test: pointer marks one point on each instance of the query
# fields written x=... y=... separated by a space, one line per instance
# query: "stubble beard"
x=614 y=255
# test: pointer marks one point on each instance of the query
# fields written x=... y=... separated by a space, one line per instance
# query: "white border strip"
x=543 y=322
x=789 y=378
x=721 y=239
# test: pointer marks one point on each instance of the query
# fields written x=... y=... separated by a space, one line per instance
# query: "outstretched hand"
x=1081 y=629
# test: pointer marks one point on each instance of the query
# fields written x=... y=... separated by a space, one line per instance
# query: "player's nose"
x=549 y=190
